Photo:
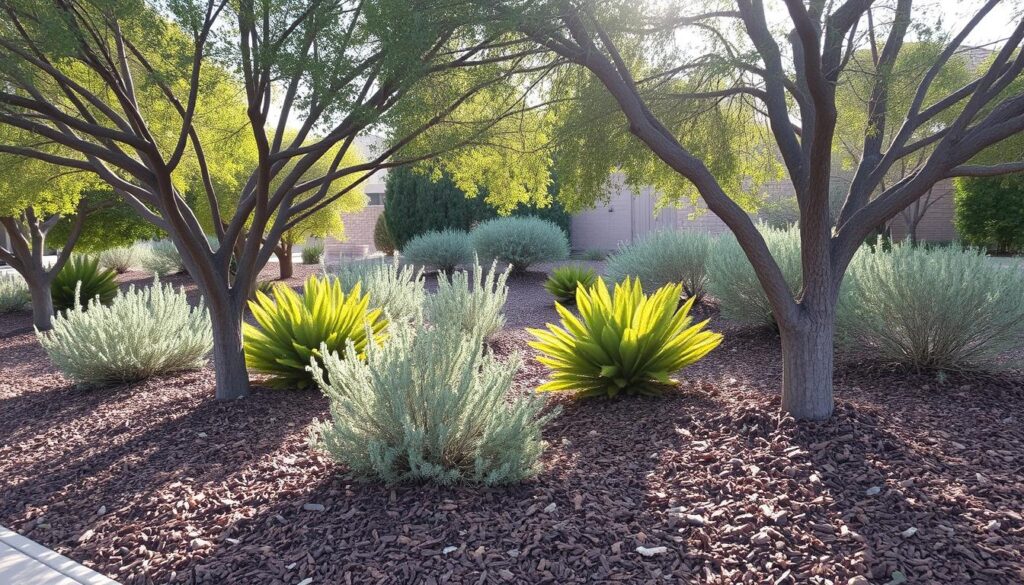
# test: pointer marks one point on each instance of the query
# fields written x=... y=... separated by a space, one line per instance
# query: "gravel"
x=157 y=483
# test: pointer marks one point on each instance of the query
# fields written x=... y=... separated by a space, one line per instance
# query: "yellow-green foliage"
x=626 y=342
x=564 y=281
x=292 y=328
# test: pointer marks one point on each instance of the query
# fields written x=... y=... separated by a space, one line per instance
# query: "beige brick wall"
x=358 y=234
x=937 y=223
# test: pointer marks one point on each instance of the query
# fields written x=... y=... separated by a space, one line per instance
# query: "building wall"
x=937 y=223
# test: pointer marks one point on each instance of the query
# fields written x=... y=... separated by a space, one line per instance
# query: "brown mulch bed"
x=158 y=483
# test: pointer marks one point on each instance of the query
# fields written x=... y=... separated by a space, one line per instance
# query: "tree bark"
x=42 y=303
x=284 y=259
x=807 y=363
x=232 y=377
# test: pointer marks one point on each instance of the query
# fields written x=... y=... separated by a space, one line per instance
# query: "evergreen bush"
x=520 y=241
x=428 y=406
x=445 y=250
x=665 y=257
x=145 y=332
x=989 y=212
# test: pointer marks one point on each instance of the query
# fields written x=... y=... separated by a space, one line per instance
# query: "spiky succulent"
x=564 y=280
x=95 y=283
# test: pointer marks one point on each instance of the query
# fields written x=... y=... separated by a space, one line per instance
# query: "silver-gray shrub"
x=160 y=257
x=942 y=308
x=732 y=281
x=472 y=302
x=14 y=295
x=444 y=250
x=144 y=332
x=665 y=257
x=395 y=288
x=520 y=241
x=428 y=405
x=121 y=259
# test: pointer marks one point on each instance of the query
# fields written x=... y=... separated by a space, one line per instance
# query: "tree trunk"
x=42 y=303
x=232 y=377
x=284 y=259
x=807 y=355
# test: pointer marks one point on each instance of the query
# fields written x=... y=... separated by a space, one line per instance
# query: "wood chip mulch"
x=916 y=477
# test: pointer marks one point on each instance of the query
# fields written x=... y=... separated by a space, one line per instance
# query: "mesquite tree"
x=34 y=196
x=665 y=64
x=123 y=85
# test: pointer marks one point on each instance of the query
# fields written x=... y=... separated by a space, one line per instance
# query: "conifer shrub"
x=665 y=257
x=943 y=308
x=142 y=333
x=161 y=257
x=622 y=342
x=395 y=288
x=471 y=306
x=382 y=238
x=520 y=241
x=14 y=295
x=80 y=281
x=313 y=252
x=428 y=405
x=120 y=259
x=733 y=282
x=444 y=250
x=564 y=280
x=291 y=329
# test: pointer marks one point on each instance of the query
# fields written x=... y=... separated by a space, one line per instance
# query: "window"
x=375 y=198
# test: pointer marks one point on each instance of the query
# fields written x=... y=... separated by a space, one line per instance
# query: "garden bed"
x=157 y=483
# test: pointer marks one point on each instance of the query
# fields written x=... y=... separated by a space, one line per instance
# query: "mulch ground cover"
x=916 y=477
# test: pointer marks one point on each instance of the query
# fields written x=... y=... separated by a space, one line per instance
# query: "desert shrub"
x=520 y=241
x=665 y=257
x=313 y=252
x=82 y=274
x=444 y=250
x=989 y=212
x=731 y=278
x=145 y=332
x=624 y=342
x=396 y=289
x=473 y=308
x=292 y=329
x=121 y=259
x=14 y=295
x=595 y=254
x=942 y=308
x=428 y=406
x=564 y=280
x=161 y=257
x=382 y=238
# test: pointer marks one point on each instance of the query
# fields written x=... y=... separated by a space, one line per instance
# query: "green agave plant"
x=564 y=281
x=293 y=327
x=96 y=282
x=626 y=342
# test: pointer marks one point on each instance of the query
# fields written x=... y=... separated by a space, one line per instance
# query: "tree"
x=34 y=197
x=132 y=92
x=662 y=89
x=990 y=212
x=113 y=224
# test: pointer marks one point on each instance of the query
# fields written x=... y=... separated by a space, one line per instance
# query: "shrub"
x=942 y=308
x=520 y=241
x=665 y=257
x=121 y=259
x=989 y=212
x=564 y=281
x=382 y=238
x=313 y=252
x=82 y=274
x=293 y=329
x=144 y=332
x=14 y=295
x=624 y=342
x=444 y=250
x=398 y=290
x=428 y=406
x=475 y=310
x=731 y=278
x=595 y=254
x=161 y=257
